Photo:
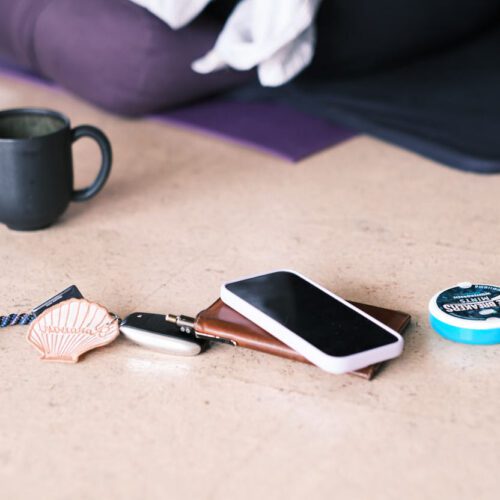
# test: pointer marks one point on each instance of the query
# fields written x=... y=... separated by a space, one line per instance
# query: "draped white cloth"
x=276 y=36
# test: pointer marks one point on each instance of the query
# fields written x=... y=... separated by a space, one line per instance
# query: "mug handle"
x=107 y=156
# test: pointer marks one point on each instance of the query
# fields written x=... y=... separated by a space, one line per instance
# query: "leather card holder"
x=221 y=321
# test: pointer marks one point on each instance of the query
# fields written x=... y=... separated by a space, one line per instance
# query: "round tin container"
x=467 y=313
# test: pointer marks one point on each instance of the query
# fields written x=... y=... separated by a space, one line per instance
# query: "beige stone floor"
x=182 y=213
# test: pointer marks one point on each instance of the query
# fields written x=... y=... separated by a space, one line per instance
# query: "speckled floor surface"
x=182 y=213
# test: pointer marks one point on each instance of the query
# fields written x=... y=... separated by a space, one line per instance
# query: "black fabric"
x=361 y=36
x=443 y=103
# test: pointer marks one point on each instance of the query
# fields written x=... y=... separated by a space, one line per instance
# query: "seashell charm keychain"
x=69 y=329
x=66 y=326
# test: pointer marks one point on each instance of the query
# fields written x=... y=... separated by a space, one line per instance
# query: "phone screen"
x=312 y=314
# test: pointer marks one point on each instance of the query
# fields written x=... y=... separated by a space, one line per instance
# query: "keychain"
x=68 y=325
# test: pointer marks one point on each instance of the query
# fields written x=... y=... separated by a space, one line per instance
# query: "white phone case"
x=332 y=364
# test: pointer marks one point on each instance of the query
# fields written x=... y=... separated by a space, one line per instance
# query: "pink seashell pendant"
x=67 y=330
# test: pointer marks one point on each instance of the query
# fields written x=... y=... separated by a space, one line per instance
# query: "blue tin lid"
x=467 y=313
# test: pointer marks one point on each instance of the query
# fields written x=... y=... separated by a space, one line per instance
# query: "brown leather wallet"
x=220 y=321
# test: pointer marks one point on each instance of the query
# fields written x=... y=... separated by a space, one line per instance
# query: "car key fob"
x=153 y=331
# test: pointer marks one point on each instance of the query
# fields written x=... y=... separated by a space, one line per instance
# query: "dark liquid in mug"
x=28 y=126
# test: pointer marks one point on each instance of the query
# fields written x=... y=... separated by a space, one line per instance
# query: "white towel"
x=276 y=36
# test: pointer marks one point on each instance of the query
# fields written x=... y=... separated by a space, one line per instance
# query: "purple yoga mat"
x=270 y=127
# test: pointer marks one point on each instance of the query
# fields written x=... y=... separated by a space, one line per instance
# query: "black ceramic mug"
x=36 y=167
